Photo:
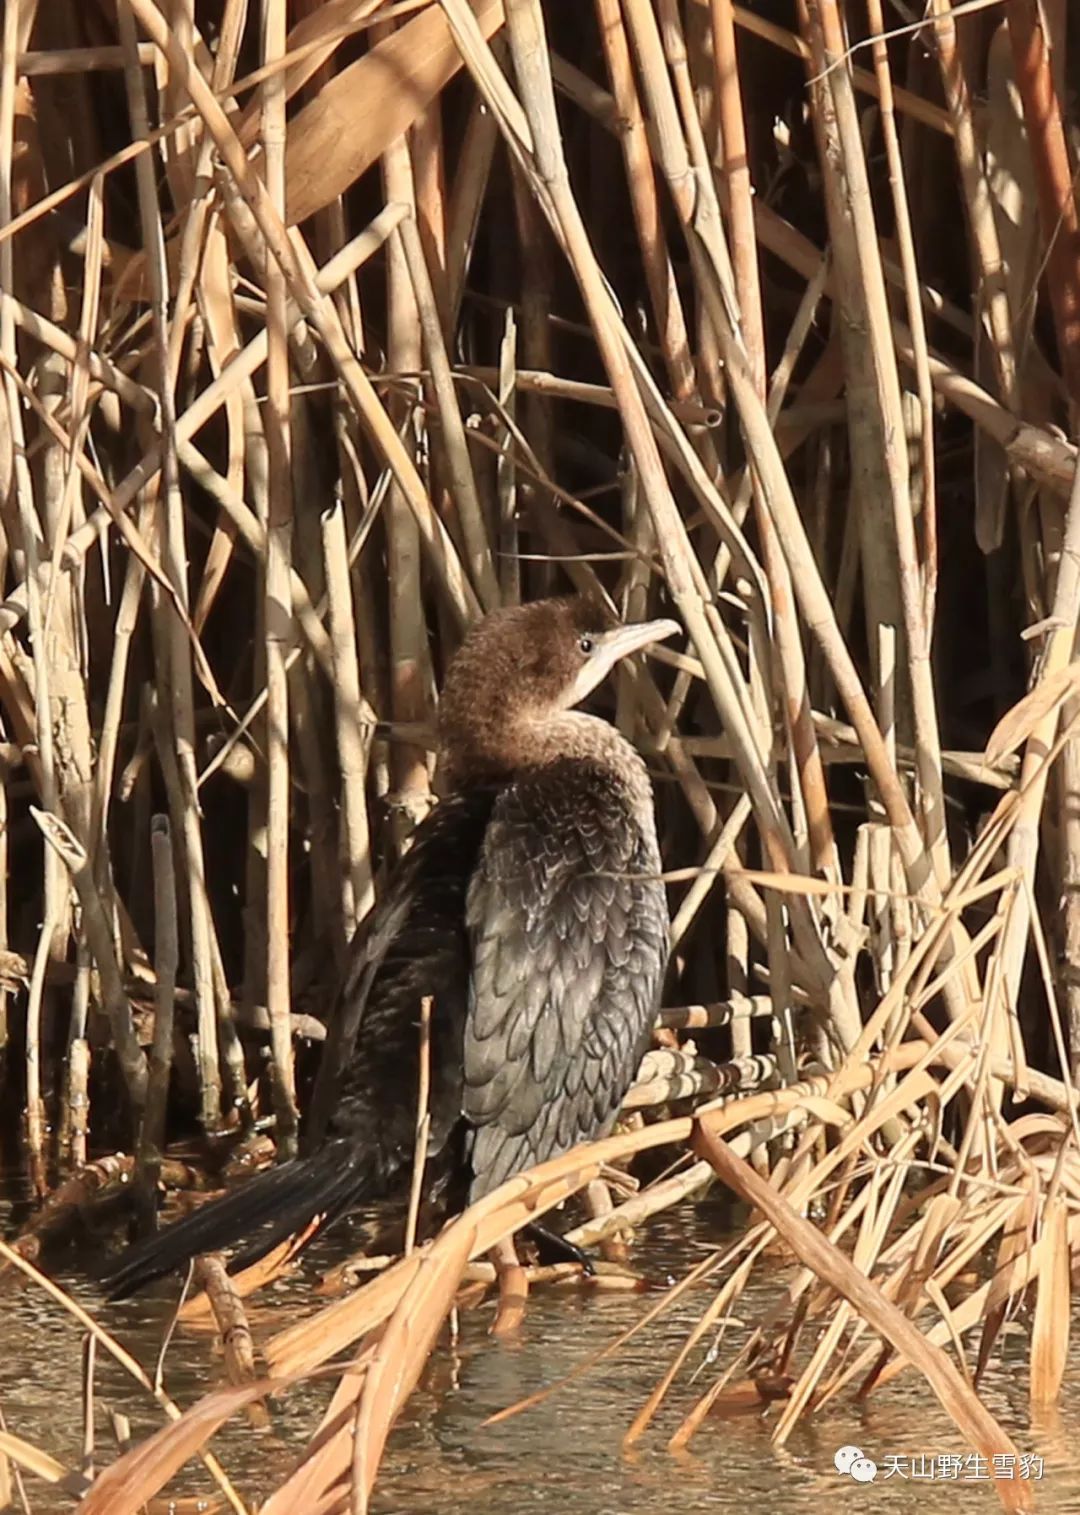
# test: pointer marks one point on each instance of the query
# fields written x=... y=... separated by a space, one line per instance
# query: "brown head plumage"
x=518 y=670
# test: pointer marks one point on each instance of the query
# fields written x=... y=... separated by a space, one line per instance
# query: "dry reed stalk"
x=505 y=473
x=175 y=678
x=806 y=757
x=203 y=263
x=466 y=202
x=34 y=64
x=409 y=652
x=1050 y=1329
x=913 y=104
x=16 y=474
x=99 y=936
x=15 y=1450
x=910 y=575
x=427 y=155
x=232 y=1324
x=736 y=170
x=993 y=299
x=879 y=463
x=423 y=1126
x=277 y=619
x=353 y=732
x=1024 y=837
x=401 y=1352
x=459 y=466
x=663 y=291
x=330 y=1446
x=1054 y=179
x=916 y=319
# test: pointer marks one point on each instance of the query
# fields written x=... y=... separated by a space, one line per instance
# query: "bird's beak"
x=621 y=641
x=610 y=647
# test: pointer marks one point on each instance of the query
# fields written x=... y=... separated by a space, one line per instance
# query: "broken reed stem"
x=166 y=960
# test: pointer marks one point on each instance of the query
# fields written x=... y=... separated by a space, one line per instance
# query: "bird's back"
x=568 y=928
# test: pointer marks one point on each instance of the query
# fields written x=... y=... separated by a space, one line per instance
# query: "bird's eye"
x=586 y=644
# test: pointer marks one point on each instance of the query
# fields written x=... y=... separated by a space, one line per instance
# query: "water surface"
x=442 y=1459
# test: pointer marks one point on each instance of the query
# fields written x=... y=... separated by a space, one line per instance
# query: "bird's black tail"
x=260 y=1213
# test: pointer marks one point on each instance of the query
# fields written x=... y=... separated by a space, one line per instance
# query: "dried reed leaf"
x=1050 y=1331
x=1017 y=1242
x=362 y=110
x=35 y=1461
x=134 y=1478
x=1014 y=728
x=529 y=1195
x=330 y=1448
x=404 y=1347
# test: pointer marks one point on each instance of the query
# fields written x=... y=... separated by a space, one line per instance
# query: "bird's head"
x=520 y=668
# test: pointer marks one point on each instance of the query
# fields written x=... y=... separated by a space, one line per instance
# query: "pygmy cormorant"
x=529 y=909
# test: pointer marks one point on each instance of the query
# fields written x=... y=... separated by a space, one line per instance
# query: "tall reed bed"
x=326 y=329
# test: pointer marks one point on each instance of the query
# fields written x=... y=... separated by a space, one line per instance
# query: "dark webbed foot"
x=554 y=1248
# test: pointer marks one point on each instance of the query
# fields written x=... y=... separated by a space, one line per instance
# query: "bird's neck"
x=529 y=744
x=573 y=736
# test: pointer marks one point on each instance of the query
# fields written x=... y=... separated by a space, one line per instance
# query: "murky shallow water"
x=442 y=1460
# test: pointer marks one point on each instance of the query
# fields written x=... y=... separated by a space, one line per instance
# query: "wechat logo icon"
x=850 y=1463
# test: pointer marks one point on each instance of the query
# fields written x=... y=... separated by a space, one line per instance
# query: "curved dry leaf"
x=404 y=1348
x=1017 y=724
x=361 y=110
x=1050 y=1330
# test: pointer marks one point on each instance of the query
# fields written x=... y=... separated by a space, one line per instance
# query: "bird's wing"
x=569 y=939
x=412 y=945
